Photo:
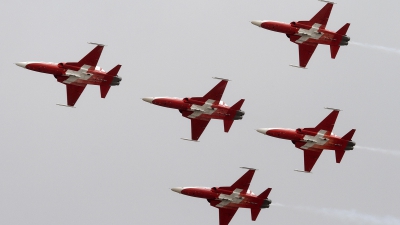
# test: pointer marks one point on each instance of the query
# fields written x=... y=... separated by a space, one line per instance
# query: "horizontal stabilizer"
x=265 y=194
x=238 y=105
x=227 y=125
x=104 y=90
x=343 y=30
x=114 y=71
x=254 y=213
x=349 y=135
x=339 y=155
x=334 y=50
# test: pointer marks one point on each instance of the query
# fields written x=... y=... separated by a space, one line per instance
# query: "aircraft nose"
x=21 y=64
x=177 y=189
x=257 y=22
x=148 y=99
x=262 y=130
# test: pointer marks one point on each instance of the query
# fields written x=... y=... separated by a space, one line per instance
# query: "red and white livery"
x=229 y=199
x=314 y=140
x=200 y=110
x=76 y=75
x=308 y=34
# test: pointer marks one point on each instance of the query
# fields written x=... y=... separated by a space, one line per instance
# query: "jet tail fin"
x=232 y=115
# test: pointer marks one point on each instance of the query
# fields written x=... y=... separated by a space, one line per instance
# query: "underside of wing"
x=198 y=127
x=92 y=57
x=311 y=156
x=322 y=16
x=244 y=182
x=226 y=215
x=329 y=122
x=305 y=53
x=217 y=92
x=73 y=93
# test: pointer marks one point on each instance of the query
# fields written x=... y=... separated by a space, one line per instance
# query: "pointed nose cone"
x=257 y=22
x=21 y=64
x=148 y=99
x=177 y=189
x=262 y=130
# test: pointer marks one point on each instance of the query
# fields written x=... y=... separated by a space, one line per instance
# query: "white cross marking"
x=315 y=140
x=311 y=33
x=200 y=109
x=75 y=75
x=232 y=198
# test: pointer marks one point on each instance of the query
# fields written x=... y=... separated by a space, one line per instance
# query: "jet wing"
x=311 y=155
x=217 y=92
x=198 y=127
x=92 y=57
x=244 y=182
x=305 y=53
x=328 y=123
x=226 y=215
x=73 y=93
x=322 y=16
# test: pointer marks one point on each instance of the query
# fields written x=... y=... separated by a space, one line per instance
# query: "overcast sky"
x=114 y=160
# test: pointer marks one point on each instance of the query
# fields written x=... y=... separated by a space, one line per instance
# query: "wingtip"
x=333 y=109
x=98 y=44
x=247 y=168
x=187 y=139
x=220 y=78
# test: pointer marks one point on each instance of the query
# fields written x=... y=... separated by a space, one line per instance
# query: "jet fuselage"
x=221 y=197
x=71 y=74
x=195 y=108
x=309 y=34
x=320 y=139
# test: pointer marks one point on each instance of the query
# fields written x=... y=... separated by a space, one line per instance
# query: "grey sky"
x=113 y=161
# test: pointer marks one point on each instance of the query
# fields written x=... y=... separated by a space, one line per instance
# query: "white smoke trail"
x=350 y=215
x=380 y=150
x=376 y=47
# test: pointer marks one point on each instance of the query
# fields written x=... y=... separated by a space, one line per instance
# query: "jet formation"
x=76 y=75
x=229 y=199
x=200 y=110
x=308 y=34
x=314 y=140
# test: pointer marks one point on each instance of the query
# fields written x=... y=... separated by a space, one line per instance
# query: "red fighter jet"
x=229 y=199
x=200 y=110
x=308 y=34
x=313 y=140
x=76 y=75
